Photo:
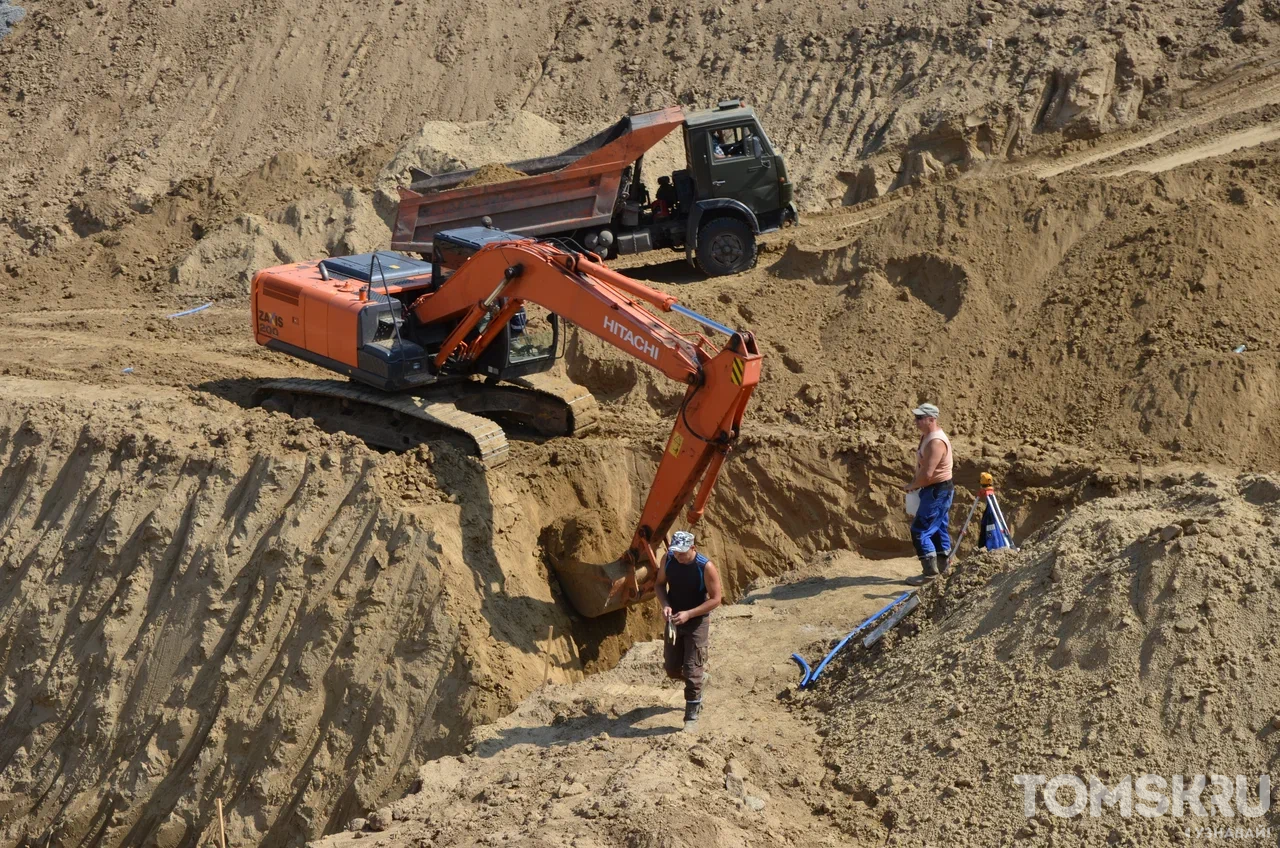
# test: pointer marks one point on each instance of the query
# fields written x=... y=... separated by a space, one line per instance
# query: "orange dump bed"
x=573 y=190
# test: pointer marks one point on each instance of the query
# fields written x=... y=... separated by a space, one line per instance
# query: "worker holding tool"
x=688 y=589
x=933 y=481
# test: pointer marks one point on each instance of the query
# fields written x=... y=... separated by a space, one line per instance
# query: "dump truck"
x=734 y=187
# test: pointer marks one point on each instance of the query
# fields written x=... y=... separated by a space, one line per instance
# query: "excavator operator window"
x=533 y=335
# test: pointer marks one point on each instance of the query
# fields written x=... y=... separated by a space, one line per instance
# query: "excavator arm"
x=501 y=277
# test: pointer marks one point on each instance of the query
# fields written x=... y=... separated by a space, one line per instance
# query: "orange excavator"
x=415 y=336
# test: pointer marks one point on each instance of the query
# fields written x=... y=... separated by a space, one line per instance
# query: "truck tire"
x=725 y=246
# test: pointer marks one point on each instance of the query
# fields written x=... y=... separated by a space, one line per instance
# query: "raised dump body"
x=735 y=186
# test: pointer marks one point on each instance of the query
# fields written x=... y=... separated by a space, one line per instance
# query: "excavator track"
x=487 y=439
x=549 y=406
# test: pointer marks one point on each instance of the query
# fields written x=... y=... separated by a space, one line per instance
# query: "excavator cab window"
x=531 y=341
x=534 y=332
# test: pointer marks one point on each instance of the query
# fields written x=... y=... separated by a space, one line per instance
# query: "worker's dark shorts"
x=686 y=659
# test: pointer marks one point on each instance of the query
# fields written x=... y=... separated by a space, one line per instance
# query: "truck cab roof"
x=728 y=113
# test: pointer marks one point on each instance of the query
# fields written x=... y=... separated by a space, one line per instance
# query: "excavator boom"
x=501 y=277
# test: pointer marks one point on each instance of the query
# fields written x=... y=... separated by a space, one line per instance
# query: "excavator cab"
x=531 y=341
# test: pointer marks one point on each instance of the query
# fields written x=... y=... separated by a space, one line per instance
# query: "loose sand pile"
x=441 y=147
x=490 y=174
x=1133 y=636
x=1104 y=314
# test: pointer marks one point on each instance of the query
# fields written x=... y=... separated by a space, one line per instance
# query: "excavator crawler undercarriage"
x=469 y=411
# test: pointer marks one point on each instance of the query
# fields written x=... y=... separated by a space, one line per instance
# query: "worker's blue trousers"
x=929 y=529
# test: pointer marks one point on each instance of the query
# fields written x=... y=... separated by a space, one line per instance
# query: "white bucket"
x=913 y=503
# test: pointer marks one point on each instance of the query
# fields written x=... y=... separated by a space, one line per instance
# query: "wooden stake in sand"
x=222 y=828
x=546 y=668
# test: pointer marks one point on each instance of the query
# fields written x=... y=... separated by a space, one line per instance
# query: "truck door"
x=742 y=167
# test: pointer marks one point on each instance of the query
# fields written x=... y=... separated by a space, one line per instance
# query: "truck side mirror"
x=754 y=147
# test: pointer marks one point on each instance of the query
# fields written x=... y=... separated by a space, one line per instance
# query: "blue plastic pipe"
x=811 y=678
x=804 y=666
x=187 y=312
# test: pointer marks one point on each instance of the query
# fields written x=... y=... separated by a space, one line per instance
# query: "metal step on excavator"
x=457 y=344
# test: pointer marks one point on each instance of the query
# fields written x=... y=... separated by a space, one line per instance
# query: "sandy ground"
x=201 y=600
x=607 y=761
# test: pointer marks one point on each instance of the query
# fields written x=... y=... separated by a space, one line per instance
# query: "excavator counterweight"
x=416 y=335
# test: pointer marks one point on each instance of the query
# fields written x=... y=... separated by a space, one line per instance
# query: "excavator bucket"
x=595 y=589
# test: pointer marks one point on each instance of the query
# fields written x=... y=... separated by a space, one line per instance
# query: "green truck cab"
x=736 y=184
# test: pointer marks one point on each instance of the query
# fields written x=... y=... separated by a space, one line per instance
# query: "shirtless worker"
x=933 y=480
x=688 y=589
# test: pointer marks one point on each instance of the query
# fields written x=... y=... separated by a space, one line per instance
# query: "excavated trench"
x=202 y=602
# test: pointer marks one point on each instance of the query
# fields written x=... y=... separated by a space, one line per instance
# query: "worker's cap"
x=681 y=541
x=925 y=410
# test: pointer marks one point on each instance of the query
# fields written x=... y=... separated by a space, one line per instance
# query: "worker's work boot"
x=944 y=561
x=692 y=709
x=929 y=565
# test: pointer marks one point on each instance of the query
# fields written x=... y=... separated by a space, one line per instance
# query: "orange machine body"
x=293 y=305
x=348 y=313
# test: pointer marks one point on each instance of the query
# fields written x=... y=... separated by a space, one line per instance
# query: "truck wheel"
x=726 y=246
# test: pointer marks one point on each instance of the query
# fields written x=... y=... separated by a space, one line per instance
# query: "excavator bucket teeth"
x=487 y=439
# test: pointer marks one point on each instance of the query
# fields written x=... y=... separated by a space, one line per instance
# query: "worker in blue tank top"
x=688 y=589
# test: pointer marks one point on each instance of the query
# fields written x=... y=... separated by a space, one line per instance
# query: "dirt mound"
x=1099 y=313
x=890 y=86
x=489 y=174
x=222 y=263
x=201 y=602
x=441 y=147
x=1131 y=637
